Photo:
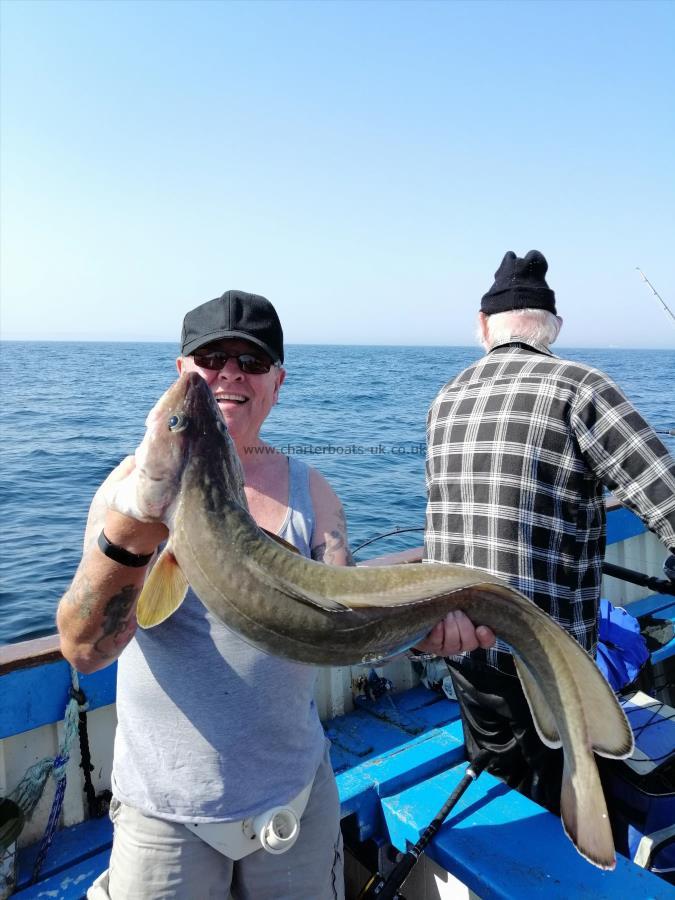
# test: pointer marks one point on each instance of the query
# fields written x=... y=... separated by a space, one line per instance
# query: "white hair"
x=534 y=326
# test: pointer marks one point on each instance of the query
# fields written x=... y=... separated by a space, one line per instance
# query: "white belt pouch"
x=275 y=830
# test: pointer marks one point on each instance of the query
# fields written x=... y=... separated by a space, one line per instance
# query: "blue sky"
x=365 y=165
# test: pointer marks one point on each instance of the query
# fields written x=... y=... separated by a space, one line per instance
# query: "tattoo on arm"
x=319 y=552
x=80 y=594
x=336 y=542
x=118 y=625
x=95 y=520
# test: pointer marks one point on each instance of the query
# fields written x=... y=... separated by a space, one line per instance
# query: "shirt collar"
x=532 y=346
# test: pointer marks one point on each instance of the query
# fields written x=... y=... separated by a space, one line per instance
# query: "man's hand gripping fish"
x=188 y=475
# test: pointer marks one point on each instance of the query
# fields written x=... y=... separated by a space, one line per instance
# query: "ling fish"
x=188 y=475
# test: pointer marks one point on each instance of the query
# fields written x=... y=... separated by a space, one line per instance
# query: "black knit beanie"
x=519 y=284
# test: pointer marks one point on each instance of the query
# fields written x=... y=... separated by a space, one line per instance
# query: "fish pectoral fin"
x=163 y=592
x=542 y=715
x=583 y=812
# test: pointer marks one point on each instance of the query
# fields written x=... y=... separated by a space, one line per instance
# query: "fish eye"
x=178 y=422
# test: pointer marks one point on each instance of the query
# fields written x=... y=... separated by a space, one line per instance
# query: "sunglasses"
x=217 y=359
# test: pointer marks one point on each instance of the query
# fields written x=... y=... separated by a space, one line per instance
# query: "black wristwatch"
x=122 y=556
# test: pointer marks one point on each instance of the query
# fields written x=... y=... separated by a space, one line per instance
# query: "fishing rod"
x=656 y=294
x=659 y=585
x=379 y=537
x=387 y=888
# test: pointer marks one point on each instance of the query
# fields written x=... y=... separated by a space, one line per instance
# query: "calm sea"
x=71 y=411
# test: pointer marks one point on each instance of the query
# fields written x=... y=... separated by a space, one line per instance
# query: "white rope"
x=29 y=790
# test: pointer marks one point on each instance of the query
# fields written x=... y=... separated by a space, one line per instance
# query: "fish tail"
x=596 y=718
x=584 y=813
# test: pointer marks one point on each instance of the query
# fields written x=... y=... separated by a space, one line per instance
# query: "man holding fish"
x=519 y=449
x=219 y=752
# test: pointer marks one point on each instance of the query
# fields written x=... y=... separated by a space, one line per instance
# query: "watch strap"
x=122 y=556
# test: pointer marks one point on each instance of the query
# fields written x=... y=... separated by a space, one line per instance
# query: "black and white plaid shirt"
x=519 y=446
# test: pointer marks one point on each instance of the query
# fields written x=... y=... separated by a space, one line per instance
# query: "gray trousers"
x=153 y=859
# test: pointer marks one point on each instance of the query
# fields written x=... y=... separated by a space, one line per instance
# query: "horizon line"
x=475 y=346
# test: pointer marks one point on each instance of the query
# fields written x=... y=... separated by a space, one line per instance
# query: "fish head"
x=185 y=426
x=209 y=451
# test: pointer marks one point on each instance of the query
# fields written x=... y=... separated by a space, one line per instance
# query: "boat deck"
x=397 y=759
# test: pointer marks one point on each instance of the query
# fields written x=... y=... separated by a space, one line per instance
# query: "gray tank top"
x=209 y=728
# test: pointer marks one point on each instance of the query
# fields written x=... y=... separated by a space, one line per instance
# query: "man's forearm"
x=96 y=617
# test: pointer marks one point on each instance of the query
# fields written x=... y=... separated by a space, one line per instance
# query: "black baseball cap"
x=234 y=315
